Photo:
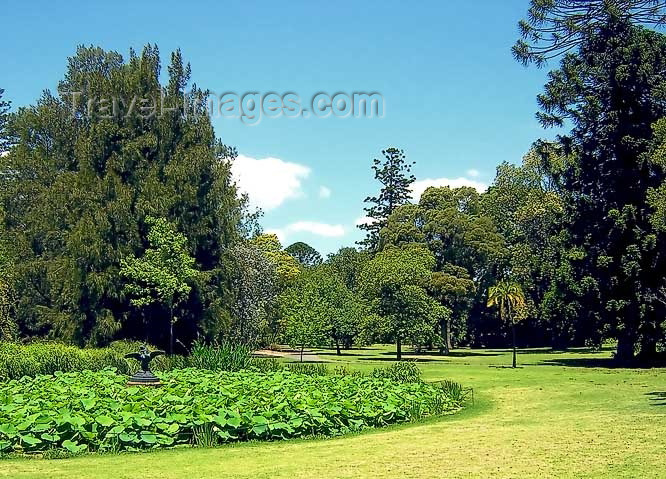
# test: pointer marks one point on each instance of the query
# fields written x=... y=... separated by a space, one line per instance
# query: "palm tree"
x=508 y=296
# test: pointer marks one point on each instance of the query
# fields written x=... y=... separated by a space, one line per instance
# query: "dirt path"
x=292 y=354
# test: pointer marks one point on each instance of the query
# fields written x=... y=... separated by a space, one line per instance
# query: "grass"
x=558 y=415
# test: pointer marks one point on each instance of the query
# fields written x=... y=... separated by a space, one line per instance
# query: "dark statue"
x=144 y=377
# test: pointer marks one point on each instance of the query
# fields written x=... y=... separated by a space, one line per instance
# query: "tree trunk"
x=337 y=347
x=513 y=334
x=648 y=348
x=170 y=329
x=398 y=352
x=445 y=325
x=626 y=344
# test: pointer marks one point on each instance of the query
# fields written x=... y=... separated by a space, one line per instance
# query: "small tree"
x=163 y=274
x=394 y=283
x=319 y=308
x=509 y=298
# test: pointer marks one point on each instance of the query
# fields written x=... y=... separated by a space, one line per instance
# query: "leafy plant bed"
x=95 y=411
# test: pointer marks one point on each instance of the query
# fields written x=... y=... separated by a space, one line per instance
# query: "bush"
x=95 y=411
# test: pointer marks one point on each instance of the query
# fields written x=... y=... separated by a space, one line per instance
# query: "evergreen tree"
x=393 y=172
x=611 y=90
x=88 y=167
x=4 y=119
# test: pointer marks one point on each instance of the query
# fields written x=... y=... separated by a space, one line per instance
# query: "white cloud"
x=312 y=227
x=324 y=192
x=473 y=173
x=269 y=182
x=418 y=187
x=364 y=220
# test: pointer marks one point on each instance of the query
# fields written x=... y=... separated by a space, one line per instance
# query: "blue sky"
x=455 y=100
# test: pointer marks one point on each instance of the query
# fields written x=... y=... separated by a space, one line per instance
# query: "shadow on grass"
x=608 y=363
x=436 y=354
x=658 y=398
x=561 y=351
x=344 y=354
x=405 y=357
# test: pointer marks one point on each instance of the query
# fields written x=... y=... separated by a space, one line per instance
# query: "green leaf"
x=105 y=421
x=148 y=437
x=73 y=446
x=30 y=439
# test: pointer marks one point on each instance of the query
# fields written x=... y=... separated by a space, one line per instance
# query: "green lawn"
x=559 y=415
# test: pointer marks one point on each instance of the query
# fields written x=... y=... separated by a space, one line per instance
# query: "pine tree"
x=4 y=118
x=394 y=173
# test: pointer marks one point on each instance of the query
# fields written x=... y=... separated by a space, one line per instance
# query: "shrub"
x=95 y=411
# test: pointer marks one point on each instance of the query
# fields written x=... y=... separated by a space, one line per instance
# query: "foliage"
x=347 y=264
x=554 y=27
x=394 y=174
x=42 y=357
x=393 y=282
x=225 y=357
x=305 y=254
x=465 y=243
x=4 y=120
x=164 y=273
x=95 y=411
x=255 y=287
x=402 y=372
x=508 y=297
x=286 y=265
x=81 y=186
x=612 y=91
x=318 y=308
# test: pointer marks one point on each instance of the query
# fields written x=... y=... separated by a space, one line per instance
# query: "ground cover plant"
x=95 y=411
x=558 y=415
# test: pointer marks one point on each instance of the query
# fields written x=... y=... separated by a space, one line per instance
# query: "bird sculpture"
x=144 y=377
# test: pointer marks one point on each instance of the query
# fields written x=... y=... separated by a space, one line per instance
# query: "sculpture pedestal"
x=144 y=378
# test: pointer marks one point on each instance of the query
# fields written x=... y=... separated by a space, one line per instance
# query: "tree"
x=4 y=119
x=318 y=308
x=465 y=244
x=454 y=289
x=527 y=203
x=611 y=90
x=77 y=187
x=347 y=264
x=394 y=283
x=304 y=254
x=255 y=288
x=164 y=273
x=288 y=268
x=555 y=27
x=509 y=298
x=394 y=175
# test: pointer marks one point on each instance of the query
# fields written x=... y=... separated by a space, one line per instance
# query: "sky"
x=453 y=97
